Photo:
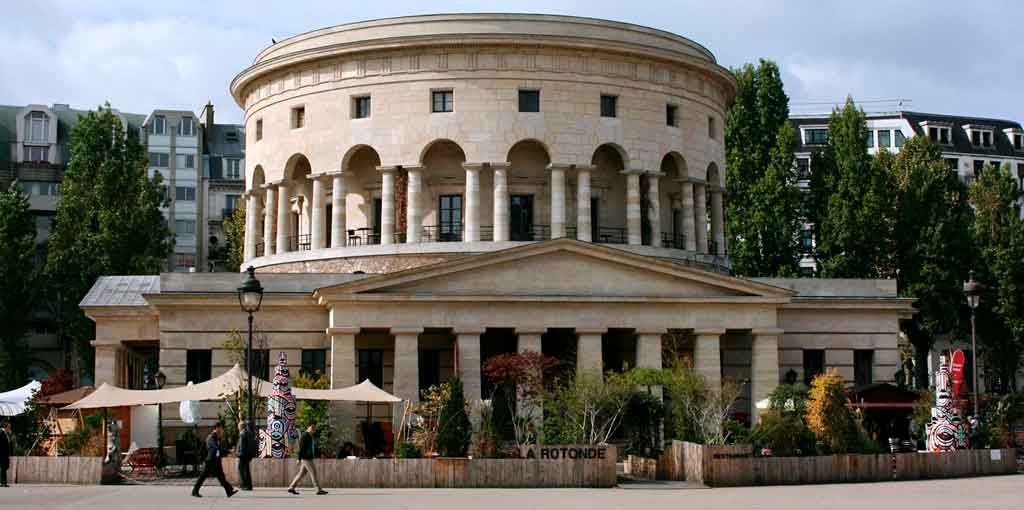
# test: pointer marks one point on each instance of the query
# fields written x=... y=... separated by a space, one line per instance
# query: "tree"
x=999 y=235
x=234 y=239
x=20 y=281
x=521 y=374
x=108 y=220
x=827 y=414
x=454 y=430
x=764 y=208
x=852 y=203
x=316 y=411
x=592 y=406
x=932 y=246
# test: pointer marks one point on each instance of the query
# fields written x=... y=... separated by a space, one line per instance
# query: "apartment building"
x=223 y=162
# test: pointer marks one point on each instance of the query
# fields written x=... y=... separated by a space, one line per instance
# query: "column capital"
x=708 y=332
x=406 y=330
x=499 y=165
x=655 y=174
x=629 y=171
x=584 y=168
x=411 y=168
x=343 y=330
x=691 y=180
x=389 y=168
x=591 y=331
x=474 y=167
x=767 y=332
x=467 y=331
x=531 y=331
x=560 y=166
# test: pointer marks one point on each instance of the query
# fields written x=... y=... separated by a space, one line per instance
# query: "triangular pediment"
x=560 y=268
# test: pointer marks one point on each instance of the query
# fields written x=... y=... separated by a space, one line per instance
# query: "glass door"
x=450 y=218
x=521 y=217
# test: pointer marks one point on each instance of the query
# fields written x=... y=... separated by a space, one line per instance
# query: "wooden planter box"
x=70 y=470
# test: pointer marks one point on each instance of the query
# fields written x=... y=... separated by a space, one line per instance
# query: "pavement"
x=996 y=492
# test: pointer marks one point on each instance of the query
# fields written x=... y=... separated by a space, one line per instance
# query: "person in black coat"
x=212 y=466
x=5 y=452
x=245 y=451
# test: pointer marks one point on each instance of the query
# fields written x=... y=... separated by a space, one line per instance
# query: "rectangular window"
x=529 y=101
x=197 y=365
x=976 y=138
x=671 y=115
x=817 y=136
x=450 y=214
x=232 y=169
x=609 y=106
x=259 y=129
x=298 y=117
x=863 y=364
x=429 y=368
x=953 y=163
x=803 y=168
x=979 y=165
x=185 y=227
x=186 y=193
x=361 y=107
x=870 y=140
x=37 y=127
x=184 y=261
x=944 y=136
x=231 y=136
x=1020 y=170
x=933 y=134
x=900 y=139
x=187 y=127
x=159 y=125
x=986 y=138
x=36 y=154
x=314 y=362
x=884 y=139
x=371 y=366
x=807 y=240
x=185 y=160
x=159 y=159
x=995 y=164
x=261 y=363
x=712 y=129
x=1018 y=142
x=442 y=101
x=814 y=364
x=231 y=201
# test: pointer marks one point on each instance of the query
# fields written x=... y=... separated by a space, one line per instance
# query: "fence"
x=723 y=466
x=554 y=466
x=73 y=470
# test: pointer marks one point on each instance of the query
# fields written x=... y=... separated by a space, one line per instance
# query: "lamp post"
x=972 y=290
x=250 y=297
x=156 y=382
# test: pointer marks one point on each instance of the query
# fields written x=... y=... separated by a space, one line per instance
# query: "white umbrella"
x=13 y=403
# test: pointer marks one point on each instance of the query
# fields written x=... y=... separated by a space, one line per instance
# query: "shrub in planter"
x=408 y=451
x=828 y=415
x=785 y=434
x=454 y=431
x=642 y=424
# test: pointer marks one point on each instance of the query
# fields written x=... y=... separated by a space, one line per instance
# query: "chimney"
x=208 y=115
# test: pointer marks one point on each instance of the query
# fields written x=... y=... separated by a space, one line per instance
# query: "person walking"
x=246 y=451
x=307 y=452
x=212 y=466
x=6 y=445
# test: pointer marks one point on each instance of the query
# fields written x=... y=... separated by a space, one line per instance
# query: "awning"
x=13 y=403
x=220 y=387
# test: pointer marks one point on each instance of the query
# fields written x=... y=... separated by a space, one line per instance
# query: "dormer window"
x=37 y=127
x=187 y=127
x=981 y=136
x=939 y=135
x=231 y=136
x=159 y=125
x=1016 y=137
x=816 y=136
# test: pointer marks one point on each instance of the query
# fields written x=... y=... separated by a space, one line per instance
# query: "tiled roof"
x=121 y=290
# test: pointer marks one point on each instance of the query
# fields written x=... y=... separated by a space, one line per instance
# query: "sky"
x=938 y=56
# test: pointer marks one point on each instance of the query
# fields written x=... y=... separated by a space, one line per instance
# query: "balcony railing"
x=448 y=233
x=361 y=236
x=261 y=248
x=486 y=232
x=673 y=240
x=612 y=235
x=533 y=233
x=299 y=243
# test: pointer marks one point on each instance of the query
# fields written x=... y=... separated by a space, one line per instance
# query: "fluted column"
x=557 y=201
x=707 y=356
x=654 y=208
x=764 y=367
x=588 y=351
x=387 y=205
x=282 y=218
x=717 y=221
x=472 y=218
x=251 y=212
x=583 y=226
x=407 y=362
x=501 y=207
x=700 y=216
x=633 y=226
x=269 y=220
x=413 y=198
x=316 y=236
x=339 y=235
x=689 y=217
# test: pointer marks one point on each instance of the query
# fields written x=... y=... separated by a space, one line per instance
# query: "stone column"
x=413 y=215
x=251 y=214
x=648 y=353
x=407 y=363
x=530 y=341
x=764 y=367
x=557 y=201
x=283 y=215
x=700 y=216
x=469 y=362
x=472 y=218
x=501 y=206
x=583 y=226
x=654 y=208
x=717 y=221
x=344 y=372
x=109 y=362
x=588 y=351
x=707 y=356
x=269 y=220
x=339 y=235
x=689 y=217
x=633 y=206
x=387 y=205
x=316 y=237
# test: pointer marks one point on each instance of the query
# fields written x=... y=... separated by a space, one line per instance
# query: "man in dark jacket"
x=5 y=452
x=307 y=452
x=212 y=466
x=245 y=451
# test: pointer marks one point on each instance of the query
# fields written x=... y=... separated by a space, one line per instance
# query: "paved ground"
x=989 y=493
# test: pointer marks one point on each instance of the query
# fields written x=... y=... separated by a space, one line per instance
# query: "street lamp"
x=972 y=290
x=157 y=382
x=250 y=297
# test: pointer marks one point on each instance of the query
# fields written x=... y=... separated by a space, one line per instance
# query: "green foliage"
x=315 y=411
x=789 y=399
x=85 y=440
x=592 y=406
x=699 y=412
x=784 y=433
x=408 y=451
x=20 y=283
x=237 y=404
x=234 y=238
x=851 y=205
x=764 y=207
x=108 y=219
x=455 y=431
x=828 y=417
x=501 y=414
x=644 y=414
x=428 y=411
x=922 y=413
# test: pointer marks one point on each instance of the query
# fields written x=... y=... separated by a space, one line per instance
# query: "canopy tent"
x=13 y=403
x=218 y=388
